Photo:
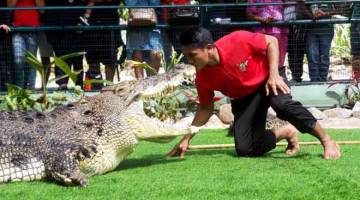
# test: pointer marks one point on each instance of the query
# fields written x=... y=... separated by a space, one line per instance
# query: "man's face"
x=199 y=57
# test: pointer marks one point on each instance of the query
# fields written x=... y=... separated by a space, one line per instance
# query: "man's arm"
x=320 y=13
x=273 y=54
x=304 y=9
x=260 y=19
x=201 y=117
x=275 y=81
x=5 y=27
x=11 y=3
x=40 y=3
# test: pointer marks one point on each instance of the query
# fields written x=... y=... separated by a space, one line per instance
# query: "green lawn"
x=215 y=174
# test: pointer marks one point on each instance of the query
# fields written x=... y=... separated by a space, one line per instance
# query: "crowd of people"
x=295 y=40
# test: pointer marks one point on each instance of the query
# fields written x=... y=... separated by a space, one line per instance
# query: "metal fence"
x=313 y=49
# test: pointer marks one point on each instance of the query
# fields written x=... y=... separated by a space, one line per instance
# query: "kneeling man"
x=245 y=67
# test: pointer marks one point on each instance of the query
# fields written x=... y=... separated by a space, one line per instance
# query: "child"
x=5 y=27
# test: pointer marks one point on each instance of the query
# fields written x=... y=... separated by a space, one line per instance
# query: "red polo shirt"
x=175 y=2
x=165 y=15
x=242 y=70
x=26 y=17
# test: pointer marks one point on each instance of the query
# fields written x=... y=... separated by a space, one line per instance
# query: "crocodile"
x=85 y=138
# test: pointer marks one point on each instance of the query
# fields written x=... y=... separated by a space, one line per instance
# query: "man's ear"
x=210 y=46
x=210 y=49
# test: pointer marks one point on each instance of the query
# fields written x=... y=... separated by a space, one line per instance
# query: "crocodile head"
x=119 y=117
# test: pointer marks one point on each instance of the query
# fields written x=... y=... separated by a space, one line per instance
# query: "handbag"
x=142 y=17
x=184 y=16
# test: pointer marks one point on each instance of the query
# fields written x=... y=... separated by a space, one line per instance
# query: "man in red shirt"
x=244 y=66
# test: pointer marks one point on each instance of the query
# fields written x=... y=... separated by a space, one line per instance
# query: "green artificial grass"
x=215 y=174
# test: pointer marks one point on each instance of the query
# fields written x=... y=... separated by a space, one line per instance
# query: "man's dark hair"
x=196 y=36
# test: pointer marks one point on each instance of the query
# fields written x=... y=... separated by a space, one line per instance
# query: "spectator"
x=65 y=42
x=103 y=44
x=355 y=43
x=25 y=75
x=297 y=41
x=266 y=14
x=318 y=42
x=170 y=37
x=141 y=42
x=5 y=48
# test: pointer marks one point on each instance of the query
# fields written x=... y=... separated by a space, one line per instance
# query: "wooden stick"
x=220 y=146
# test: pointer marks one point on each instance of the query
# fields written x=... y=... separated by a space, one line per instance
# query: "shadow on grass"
x=279 y=154
x=282 y=155
x=151 y=160
x=211 y=152
x=160 y=159
x=145 y=161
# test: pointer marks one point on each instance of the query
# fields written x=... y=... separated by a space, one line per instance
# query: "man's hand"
x=274 y=83
x=180 y=148
x=319 y=14
x=266 y=21
x=5 y=27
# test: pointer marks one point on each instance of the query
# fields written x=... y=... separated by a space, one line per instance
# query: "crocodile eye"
x=28 y=120
x=40 y=115
x=70 y=106
x=87 y=112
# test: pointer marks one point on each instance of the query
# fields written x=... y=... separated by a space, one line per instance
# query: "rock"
x=356 y=110
x=338 y=113
x=225 y=114
x=318 y=114
x=227 y=117
x=214 y=123
x=271 y=113
x=356 y=107
x=356 y=114
x=351 y=122
x=336 y=61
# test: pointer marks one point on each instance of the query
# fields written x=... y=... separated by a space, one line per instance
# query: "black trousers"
x=6 y=59
x=355 y=38
x=250 y=112
x=296 y=50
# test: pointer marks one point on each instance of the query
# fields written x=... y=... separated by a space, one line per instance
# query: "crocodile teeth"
x=163 y=87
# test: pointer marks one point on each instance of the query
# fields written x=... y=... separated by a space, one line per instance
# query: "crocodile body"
x=86 y=138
